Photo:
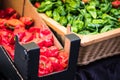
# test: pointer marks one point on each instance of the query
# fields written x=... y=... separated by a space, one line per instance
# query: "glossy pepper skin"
x=51 y=58
x=56 y=15
x=50 y=64
x=72 y=5
x=56 y=64
x=92 y=10
x=15 y=16
x=37 y=4
x=67 y=11
x=47 y=5
x=49 y=13
x=61 y=10
x=13 y=23
x=28 y=21
x=45 y=66
x=63 y=58
x=116 y=4
x=50 y=52
x=10 y=11
x=63 y=21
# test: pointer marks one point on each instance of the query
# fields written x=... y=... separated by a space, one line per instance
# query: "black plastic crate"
x=27 y=60
x=25 y=64
x=7 y=68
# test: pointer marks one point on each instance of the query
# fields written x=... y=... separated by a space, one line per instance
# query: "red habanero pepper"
x=15 y=16
x=37 y=4
x=85 y=1
x=12 y=23
x=28 y=21
x=49 y=52
x=56 y=64
x=27 y=38
x=116 y=3
x=45 y=66
x=48 y=40
x=63 y=58
x=11 y=39
x=19 y=31
x=54 y=51
x=34 y=29
x=10 y=11
x=47 y=36
x=43 y=50
x=38 y=41
x=2 y=23
x=5 y=36
x=44 y=32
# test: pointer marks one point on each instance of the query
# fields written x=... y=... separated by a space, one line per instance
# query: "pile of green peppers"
x=96 y=16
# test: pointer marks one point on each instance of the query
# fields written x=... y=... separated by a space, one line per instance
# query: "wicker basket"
x=99 y=50
x=93 y=47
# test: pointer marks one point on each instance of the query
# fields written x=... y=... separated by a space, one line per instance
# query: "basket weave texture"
x=99 y=50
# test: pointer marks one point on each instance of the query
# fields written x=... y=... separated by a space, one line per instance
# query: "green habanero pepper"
x=83 y=11
x=80 y=17
x=74 y=29
x=61 y=10
x=63 y=20
x=84 y=32
x=88 y=19
x=99 y=14
x=69 y=17
x=79 y=24
x=105 y=8
x=72 y=5
x=106 y=28
x=99 y=21
x=92 y=10
x=93 y=27
x=56 y=15
x=96 y=3
x=45 y=6
x=108 y=17
x=115 y=12
x=58 y=3
x=49 y=13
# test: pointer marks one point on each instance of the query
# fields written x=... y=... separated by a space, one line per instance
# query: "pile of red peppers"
x=11 y=23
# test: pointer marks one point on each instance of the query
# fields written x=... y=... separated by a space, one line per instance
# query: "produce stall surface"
x=105 y=69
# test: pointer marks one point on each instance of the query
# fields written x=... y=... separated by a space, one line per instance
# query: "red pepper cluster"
x=11 y=24
x=52 y=60
x=116 y=3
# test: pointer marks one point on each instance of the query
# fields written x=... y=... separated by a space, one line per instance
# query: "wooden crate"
x=16 y=4
x=30 y=11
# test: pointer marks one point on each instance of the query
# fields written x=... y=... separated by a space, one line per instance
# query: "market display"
x=84 y=16
x=93 y=54
x=11 y=24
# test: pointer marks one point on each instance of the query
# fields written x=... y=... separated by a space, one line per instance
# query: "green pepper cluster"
x=96 y=16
